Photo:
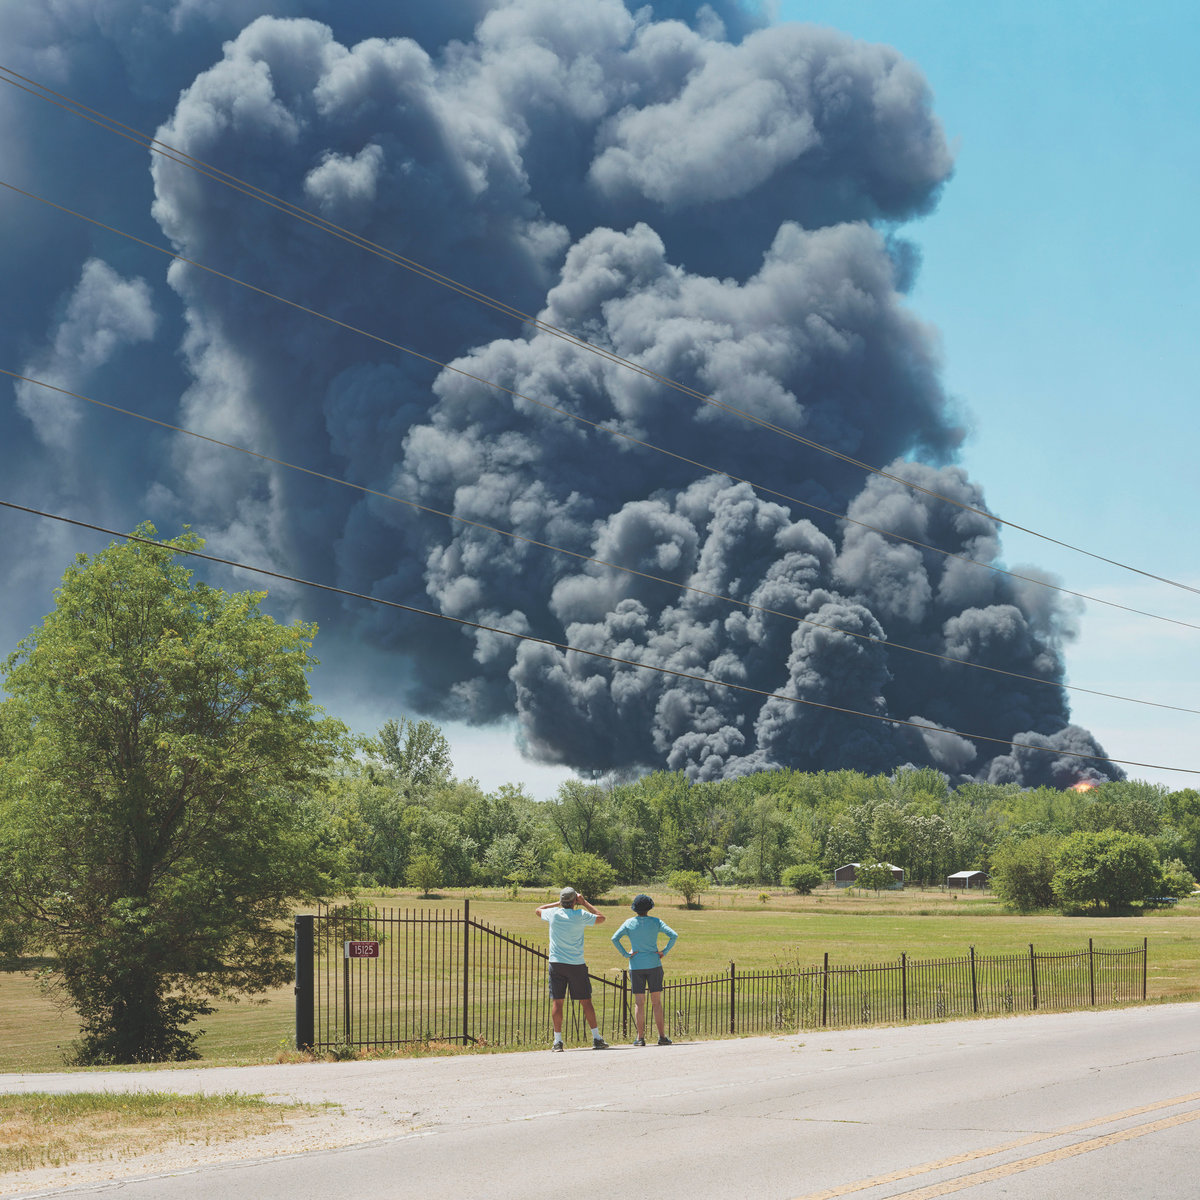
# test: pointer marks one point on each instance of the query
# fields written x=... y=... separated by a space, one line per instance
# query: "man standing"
x=568 y=970
x=645 y=962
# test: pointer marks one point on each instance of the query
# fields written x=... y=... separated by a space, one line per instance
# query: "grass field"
x=732 y=926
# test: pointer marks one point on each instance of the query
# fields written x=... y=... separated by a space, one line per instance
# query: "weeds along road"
x=1070 y=1105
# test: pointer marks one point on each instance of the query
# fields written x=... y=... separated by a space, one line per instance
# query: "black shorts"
x=572 y=976
x=641 y=978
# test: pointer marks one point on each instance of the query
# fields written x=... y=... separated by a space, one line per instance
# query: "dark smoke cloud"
x=677 y=183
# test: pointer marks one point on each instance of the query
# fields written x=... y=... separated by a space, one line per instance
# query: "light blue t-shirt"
x=643 y=939
x=566 y=932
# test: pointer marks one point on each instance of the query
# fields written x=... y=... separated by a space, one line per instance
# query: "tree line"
x=780 y=827
x=169 y=791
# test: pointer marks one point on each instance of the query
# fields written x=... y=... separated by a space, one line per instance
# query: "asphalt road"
x=1093 y=1104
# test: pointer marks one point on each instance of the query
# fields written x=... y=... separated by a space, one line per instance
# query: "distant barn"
x=845 y=876
x=967 y=879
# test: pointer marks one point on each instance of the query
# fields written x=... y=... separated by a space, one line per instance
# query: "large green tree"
x=160 y=748
x=1023 y=871
x=417 y=751
x=1108 y=867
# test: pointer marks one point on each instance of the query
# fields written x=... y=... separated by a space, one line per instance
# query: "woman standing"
x=645 y=962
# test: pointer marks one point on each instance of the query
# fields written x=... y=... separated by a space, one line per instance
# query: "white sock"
x=557 y=1038
x=595 y=1035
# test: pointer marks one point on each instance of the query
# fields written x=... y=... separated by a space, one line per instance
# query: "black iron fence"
x=370 y=977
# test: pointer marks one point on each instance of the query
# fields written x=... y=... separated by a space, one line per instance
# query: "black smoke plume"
x=678 y=183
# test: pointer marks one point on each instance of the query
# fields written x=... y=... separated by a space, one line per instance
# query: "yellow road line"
x=955 y=1160
x=1041 y=1160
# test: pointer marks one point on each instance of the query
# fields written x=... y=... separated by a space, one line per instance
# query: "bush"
x=875 y=876
x=425 y=872
x=1022 y=873
x=803 y=877
x=689 y=884
x=1176 y=880
x=587 y=873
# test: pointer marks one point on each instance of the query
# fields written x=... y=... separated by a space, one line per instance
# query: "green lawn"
x=732 y=925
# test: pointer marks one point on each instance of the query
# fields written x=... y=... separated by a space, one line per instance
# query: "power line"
x=601 y=428
x=567 y=648
x=165 y=150
x=389 y=496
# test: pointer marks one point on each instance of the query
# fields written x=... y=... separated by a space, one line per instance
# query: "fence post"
x=346 y=993
x=732 y=998
x=625 y=1004
x=1145 y=959
x=305 y=1017
x=1092 y=971
x=1033 y=973
x=903 y=986
x=974 y=984
x=466 y=986
x=825 y=992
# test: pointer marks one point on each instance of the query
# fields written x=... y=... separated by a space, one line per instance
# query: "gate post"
x=305 y=1022
x=1033 y=973
x=732 y=998
x=904 y=985
x=624 y=1004
x=974 y=984
x=825 y=992
x=466 y=968
x=1092 y=971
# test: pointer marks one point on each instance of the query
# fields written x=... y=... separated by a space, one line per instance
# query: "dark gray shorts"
x=572 y=976
x=641 y=978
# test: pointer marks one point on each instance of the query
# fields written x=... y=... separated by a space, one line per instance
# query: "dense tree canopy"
x=1023 y=871
x=159 y=804
x=754 y=829
x=1108 y=867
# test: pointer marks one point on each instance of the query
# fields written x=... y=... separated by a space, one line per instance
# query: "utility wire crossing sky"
x=565 y=168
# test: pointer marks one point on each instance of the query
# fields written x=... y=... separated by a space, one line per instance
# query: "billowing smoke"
x=682 y=186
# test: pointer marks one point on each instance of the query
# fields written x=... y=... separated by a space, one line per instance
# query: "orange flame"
x=1084 y=785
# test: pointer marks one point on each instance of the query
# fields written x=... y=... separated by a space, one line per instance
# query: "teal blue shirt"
x=643 y=940
x=566 y=932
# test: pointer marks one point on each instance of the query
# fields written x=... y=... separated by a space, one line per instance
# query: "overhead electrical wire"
x=567 y=648
x=599 y=427
x=749 y=605
x=164 y=149
x=449 y=282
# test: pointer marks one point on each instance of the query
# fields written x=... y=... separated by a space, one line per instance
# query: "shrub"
x=1022 y=873
x=689 y=884
x=587 y=873
x=803 y=877
x=425 y=872
x=874 y=876
x=1176 y=880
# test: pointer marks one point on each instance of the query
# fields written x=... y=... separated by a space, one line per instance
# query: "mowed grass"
x=733 y=925
x=38 y=1129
